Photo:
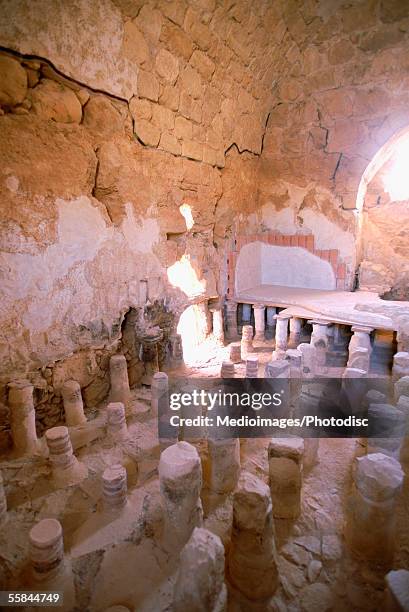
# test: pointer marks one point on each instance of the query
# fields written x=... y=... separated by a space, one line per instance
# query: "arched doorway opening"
x=383 y=205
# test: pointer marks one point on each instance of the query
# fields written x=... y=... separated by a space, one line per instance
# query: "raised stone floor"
x=346 y=307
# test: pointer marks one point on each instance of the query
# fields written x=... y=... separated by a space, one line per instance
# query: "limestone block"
x=167 y=66
x=148 y=86
x=13 y=82
x=370 y=525
x=202 y=63
x=400 y=366
x=224 y=456
x=308 y=360
x=277 y=369
x=73 y=405
x=401 y=387
x=235 y=352
x=22 y=417
x=227 y=369
x=180 y=475
x=134 y=45
x=252 y=561
x=147 y=133
x=385 y=419
x=200 y=583
x=397 y=591
x=159 y=393
x=285 y=459
x=102 y=118
x=251 y=366
x=118 y=370
x=54 y=101
x=359 y=358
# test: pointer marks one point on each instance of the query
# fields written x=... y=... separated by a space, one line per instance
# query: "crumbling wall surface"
x=113 y=115
x=341 y=93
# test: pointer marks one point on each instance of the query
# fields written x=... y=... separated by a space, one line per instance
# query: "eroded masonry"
x=203 y=189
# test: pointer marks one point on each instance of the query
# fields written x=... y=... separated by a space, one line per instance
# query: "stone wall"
x=256 y=116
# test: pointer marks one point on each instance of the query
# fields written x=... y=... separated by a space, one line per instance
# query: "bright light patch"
x=186 y=211
x=396 y=180
x=183 y=276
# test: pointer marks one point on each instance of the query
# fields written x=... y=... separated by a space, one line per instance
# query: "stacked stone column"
x=73 y=405
x=120 y=391
x=358 y=358
x=370 y=526
x=200 y=581
x=281 y=340
x=308 y=360
x=295 y=327
x=217 y=319
x=22 y=417
x=176 y=348
x=319 y=340
x=66 y=469
x=259 y=321
x=235 y=352
x=285 y=460
x=231 y=314
x=114 y=487
x=224 y=468
x=116 y=421
x=180 y=475
x=46 y=549
x=252 y=560
x=252 y=366
x=159 y=393
x=227 y=369
x=246 y=341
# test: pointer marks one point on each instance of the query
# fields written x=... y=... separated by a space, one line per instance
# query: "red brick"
x=280 y=240
x=286 y=240
x=302 y=241
x=341 y=271
x=333 y=256
x=293 y=241
x=341 y=284
x=309 y=243
x=325 y=255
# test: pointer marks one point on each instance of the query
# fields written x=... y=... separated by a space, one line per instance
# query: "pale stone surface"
x=224 y=456
x=116 y=421
x=246 y=341
x=118 y=370
x=401 y=387
x=200 y=581
x=66 y=469
x=371 y=521
x=13 y=82
x=397 y=585
x=114 y=487
x=277 y=369
x=22 y=417
x=73 y=405
x=285 y=459
x=227 y=370
x=46 y=549
x=51 y=100
x=159 y=392
x=259 y=321
x=252 y=564
x=180 y=475
x=235 y=352
x=251 y=366
x=400 y=366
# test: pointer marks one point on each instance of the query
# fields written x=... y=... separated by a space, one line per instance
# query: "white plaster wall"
x=248 y=267
x=295 y=267
x=265 y=264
